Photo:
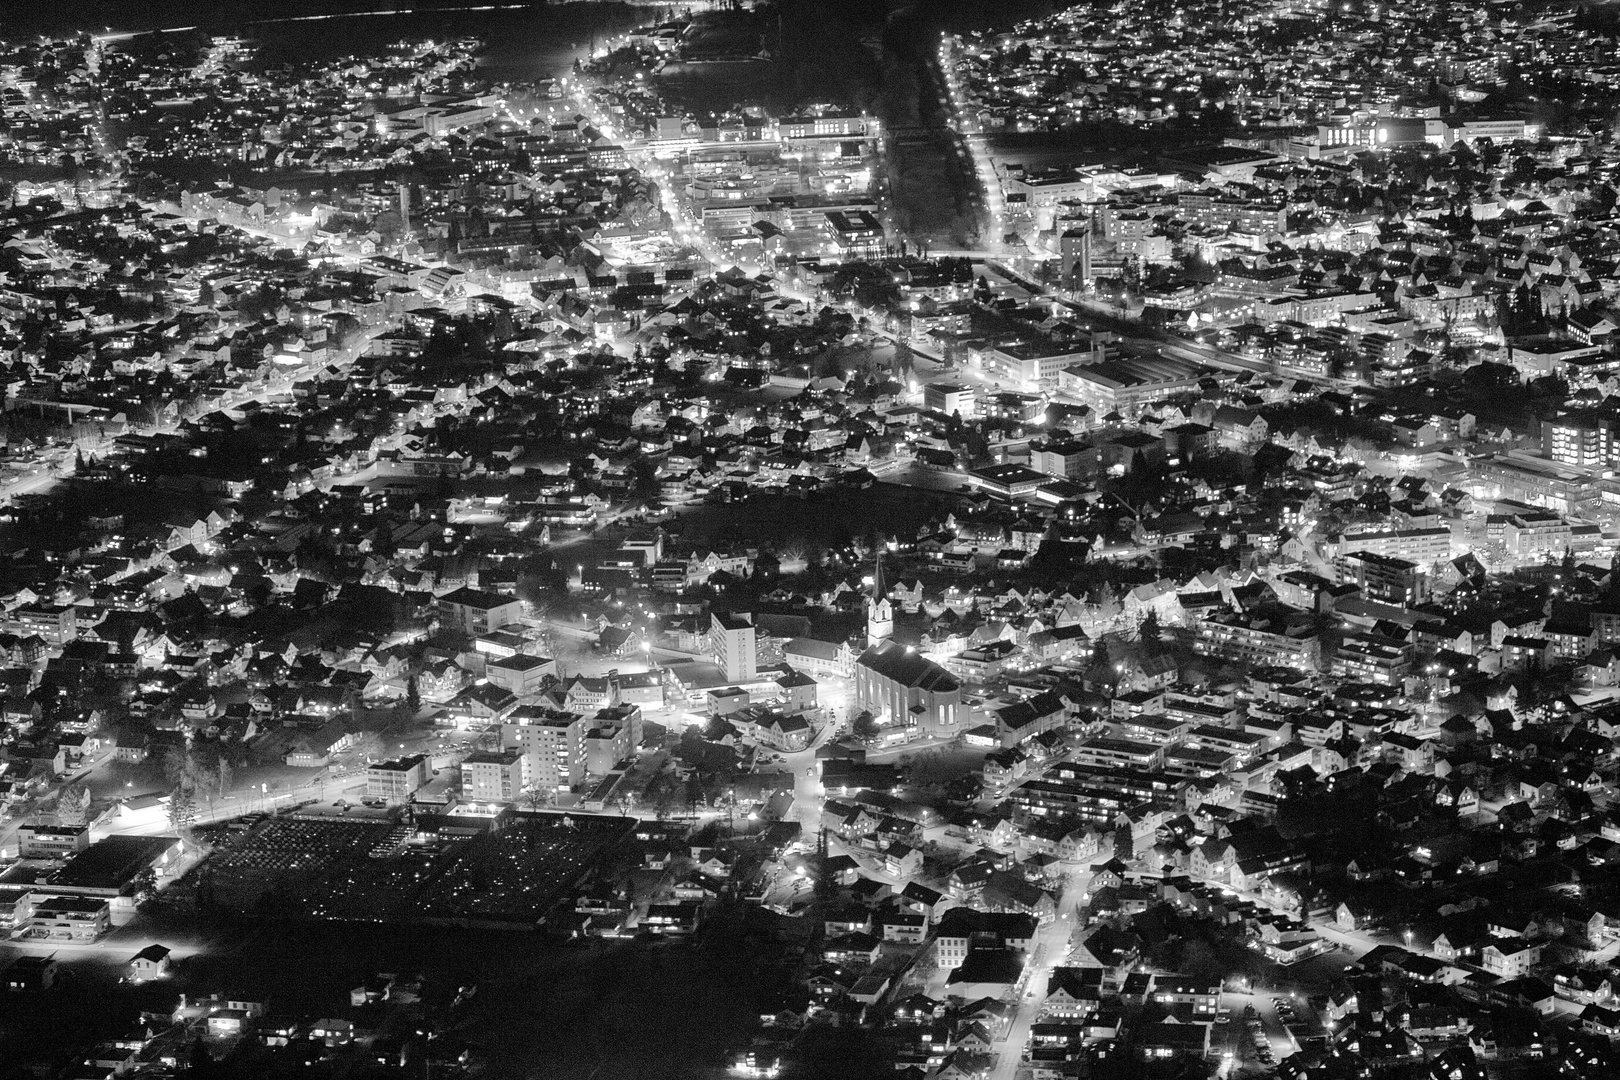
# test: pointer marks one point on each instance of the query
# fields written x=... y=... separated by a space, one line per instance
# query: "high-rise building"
x=1577 y=438
x=731 y=636
x=1075 y=247
x=552 y=744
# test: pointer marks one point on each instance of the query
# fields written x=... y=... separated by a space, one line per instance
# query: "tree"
x=864 y=727
x=73 y=806
x=693 y=791
x=537 y=798
x=200 y=1064
x=661 y=793
x=413 y=696
x=175 y=764
x=182 y=808
x=1148 y=631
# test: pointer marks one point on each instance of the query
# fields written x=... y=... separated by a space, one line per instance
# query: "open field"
x=542 y=1011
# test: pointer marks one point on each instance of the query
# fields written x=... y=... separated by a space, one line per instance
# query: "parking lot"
x=365 y=865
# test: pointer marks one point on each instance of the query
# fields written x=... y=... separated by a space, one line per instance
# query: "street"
x=1051 y=950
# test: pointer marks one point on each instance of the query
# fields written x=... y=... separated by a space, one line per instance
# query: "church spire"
x=879 y=612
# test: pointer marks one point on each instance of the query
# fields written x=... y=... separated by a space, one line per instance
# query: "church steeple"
x=879 y=612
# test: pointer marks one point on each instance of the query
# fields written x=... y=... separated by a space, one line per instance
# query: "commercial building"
x=1128 y=383
x=39 y=841
x=476 y=612
x=110 y=868
x=396 y=781
x=1032 y=366
x=856 y=233
x=1535 y=535
x=522 y=673
x=952 y=399
x=68 y=918
x=1006 y=481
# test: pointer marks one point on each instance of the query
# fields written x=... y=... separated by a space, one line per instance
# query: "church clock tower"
x=879 y=612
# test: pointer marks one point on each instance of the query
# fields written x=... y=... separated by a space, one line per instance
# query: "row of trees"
x=200 y=773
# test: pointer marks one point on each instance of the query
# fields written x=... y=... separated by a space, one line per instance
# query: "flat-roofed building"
x=39 y=841
x=735 y=649
x=522 y=673
x=492 y=776
x=1261 y=640
x=68 y=918
x=1007 y=481
x=1128 y=383
x=1384 y=578
x=396 y=781
x=855 y=232
x=1108 y=752
x=1369 y=657
x=1583 y=438
x=950 y=399
x=1033 y=366
x=109 y=867
x=552 y=743
x=1420 y=546
x=1065 y=459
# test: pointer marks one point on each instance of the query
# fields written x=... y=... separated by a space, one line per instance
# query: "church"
x=896 y=683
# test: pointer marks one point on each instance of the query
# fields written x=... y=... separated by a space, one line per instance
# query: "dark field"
x=823 y=520
x=541 y=1010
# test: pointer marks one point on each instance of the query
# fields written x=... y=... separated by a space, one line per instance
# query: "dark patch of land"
x=828 y=519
